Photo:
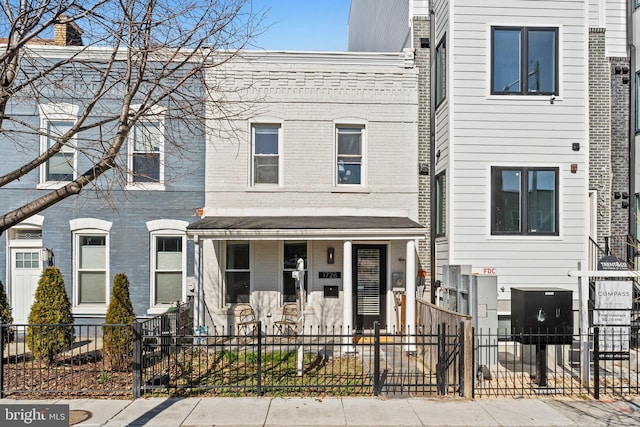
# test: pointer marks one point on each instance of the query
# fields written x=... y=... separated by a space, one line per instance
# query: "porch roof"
x=307 y=227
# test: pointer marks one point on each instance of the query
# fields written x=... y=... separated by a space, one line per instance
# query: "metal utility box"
x=542 y=316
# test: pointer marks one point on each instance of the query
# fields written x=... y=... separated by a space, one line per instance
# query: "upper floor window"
x=524 y=61
x=524 y=201
x=237 y=272
x=61 y=166
x=55 y=121
x=266 y=154
x=637 y=108
x=147 y=150
x=440 y=204
x=349 y=153
x=441 y=78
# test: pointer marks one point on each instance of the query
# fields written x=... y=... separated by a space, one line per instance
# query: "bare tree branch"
x=146 y=55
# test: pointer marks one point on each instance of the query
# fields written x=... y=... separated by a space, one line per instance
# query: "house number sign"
x=329 y=275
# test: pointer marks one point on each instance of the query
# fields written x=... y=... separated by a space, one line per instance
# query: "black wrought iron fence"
x=545 y=364
x=159 y=357
x=314 y=360
x=46 y=360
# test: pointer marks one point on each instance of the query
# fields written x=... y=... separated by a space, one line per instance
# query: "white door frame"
x=28 y=244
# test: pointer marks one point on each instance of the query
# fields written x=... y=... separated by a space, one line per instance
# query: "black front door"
x=369 y=285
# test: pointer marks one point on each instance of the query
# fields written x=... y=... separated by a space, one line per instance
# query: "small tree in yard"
x=118 y=340
x=5 y=317
x=51 y=322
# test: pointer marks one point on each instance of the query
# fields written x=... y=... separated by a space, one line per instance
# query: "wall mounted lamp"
x=331 y=256
x=48 y=256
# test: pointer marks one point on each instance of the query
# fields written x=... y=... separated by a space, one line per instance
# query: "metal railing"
x=75 y=367
x=510 y=364
x=314 y=361
x=161 y=357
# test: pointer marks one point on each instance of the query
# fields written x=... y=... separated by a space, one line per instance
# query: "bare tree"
x=146 y=56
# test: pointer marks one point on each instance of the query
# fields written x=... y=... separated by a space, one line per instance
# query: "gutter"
x=633 y=202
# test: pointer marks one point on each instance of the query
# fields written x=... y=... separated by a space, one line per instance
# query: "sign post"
x=583 y=287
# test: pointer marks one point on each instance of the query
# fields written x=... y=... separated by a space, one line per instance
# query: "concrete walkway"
x=370 y=412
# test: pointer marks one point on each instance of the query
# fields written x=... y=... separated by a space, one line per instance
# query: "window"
x=237 y=272
x=146 y=161
x=91 y=261
x=55 y=121
x=440 y=204
x=91 y=285
x=266 y=149
x=637 y=101
x=292 y=252
x=525 y=61
x=168 y=266
x=60 y=167
x=349 y=155
x=441 y=77
x=524 y=201
x=28 y=260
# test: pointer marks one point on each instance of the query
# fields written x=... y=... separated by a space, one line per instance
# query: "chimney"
x=67 y=33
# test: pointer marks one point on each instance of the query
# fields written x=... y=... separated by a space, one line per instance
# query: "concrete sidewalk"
x=300 y=412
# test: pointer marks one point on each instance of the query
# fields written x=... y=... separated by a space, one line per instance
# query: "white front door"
x=26 y=269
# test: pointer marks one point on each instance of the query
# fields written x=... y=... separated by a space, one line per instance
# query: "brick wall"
x=620 y=143
x=421 y=29
x=599 y=130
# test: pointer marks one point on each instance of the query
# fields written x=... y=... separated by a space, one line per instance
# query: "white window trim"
x=223 y=280
x=156 y=115
x=527 y=98
x=266 y=122
x=161 y=228
x=49 y=113
x=90 y=227
x=363 y=186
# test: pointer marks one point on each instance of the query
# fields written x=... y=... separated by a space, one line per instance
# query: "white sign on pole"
x=614 y=339
x=614 y=294
x=612 y=317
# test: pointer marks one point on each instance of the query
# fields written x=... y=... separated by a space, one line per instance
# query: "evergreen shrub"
x=5 y=317
x=118 y=340
x=50 y=329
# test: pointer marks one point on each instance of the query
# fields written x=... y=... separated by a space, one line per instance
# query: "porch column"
x=198 y=295
x=347 y=288
x=410 y=281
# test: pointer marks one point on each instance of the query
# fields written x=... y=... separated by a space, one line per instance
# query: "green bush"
x=5 y=317
x=118 y=340
x=51 y=322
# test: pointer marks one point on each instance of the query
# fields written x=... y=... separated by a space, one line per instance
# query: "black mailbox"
x=542 y=316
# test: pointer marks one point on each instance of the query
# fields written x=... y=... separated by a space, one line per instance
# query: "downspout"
x=632 y=122
x=432 y=154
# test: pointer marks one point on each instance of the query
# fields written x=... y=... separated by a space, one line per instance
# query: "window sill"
x=52 y=185
x=89 y=310
x=265 y=188
x=149 y=186
x=539 y=98
x=348 y=189
x=523 y=237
